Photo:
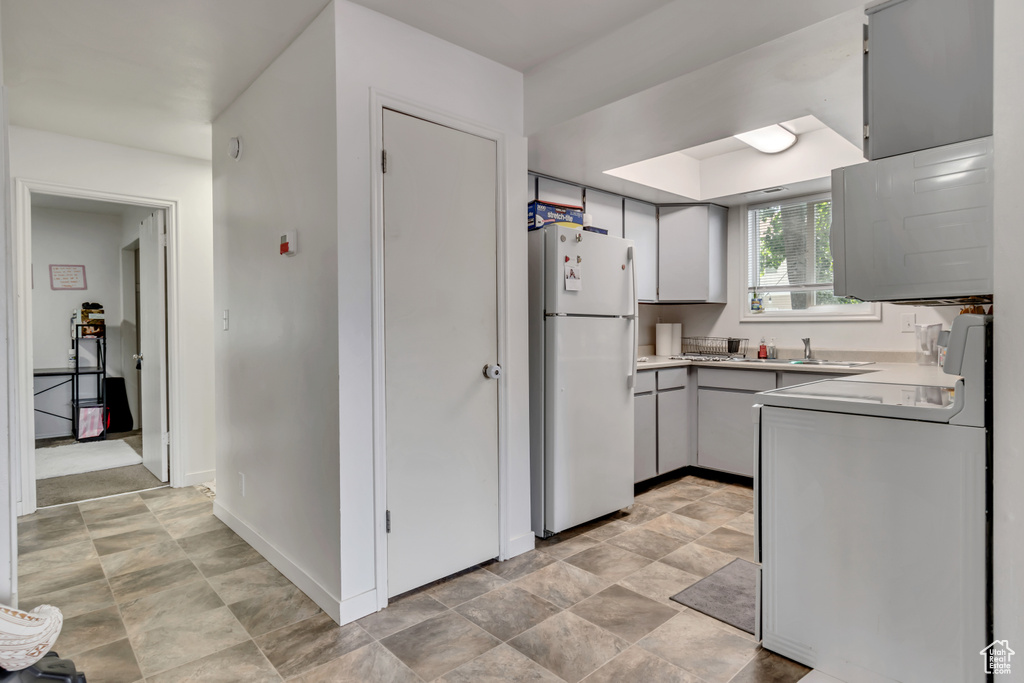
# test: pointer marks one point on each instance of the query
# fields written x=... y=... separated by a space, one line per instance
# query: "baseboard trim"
x=194 y=478
x=308 y=585
x=521 y=544
x=358 y=607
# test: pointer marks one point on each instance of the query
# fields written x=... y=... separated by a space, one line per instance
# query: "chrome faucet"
x=807 y=348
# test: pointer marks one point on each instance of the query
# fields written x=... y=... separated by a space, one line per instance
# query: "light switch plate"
x=907 y=321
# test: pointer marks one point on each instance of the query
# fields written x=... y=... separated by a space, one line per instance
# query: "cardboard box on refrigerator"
x=542 y=214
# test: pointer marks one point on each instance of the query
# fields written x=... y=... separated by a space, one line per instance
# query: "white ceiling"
x=603 y=84
x=517 y=33
x=680 y=38
x=813 y=71
x=142 y=73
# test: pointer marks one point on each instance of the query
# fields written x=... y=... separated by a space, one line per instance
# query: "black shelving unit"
x=98 y=372
x=75 y=376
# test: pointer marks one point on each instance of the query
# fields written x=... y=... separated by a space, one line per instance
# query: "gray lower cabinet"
x=726 y=433
x=663 y=429
x=674 y=431
x=645 y=437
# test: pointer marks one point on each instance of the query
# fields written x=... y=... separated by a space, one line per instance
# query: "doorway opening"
x=92 y=357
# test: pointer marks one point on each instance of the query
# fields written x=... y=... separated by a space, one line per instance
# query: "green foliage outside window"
x=784 y=240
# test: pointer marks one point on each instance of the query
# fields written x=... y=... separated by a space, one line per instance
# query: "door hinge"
x=387 y=521
x=167 y=439
x=866 y=46
x=866 y=131
x=384 y=161
x=163 y=240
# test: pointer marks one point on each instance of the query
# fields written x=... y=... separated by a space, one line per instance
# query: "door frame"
x=380 y=100
x=21 y=389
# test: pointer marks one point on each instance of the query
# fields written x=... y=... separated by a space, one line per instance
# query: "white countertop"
x=886 y=373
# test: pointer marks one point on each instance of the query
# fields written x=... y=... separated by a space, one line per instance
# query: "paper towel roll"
x=677 y=338
x=663 y=339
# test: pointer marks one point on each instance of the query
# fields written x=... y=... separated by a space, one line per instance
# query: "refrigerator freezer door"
x=587 y=273
x=588 y=449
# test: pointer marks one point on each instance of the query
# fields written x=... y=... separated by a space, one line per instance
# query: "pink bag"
x=90 y=422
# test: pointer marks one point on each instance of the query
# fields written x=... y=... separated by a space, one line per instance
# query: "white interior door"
x=440 y=299
x=153 y=342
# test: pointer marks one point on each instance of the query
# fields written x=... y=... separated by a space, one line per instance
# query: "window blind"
x=789 y=248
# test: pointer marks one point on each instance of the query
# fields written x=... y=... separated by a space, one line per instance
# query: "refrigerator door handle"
x=636 y=317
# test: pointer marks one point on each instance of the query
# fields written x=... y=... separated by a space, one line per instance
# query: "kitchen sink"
x=801 y=361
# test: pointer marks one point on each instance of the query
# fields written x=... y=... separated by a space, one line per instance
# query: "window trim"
x=870 y=313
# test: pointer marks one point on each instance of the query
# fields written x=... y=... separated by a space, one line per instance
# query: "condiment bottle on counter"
x=762 y=350
x=772 y=351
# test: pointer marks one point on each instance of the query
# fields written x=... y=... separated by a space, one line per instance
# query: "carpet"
x=728 y=595
x=78 y=487
x=77 y=458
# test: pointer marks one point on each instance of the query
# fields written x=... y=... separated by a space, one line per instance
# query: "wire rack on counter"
x=715 y=346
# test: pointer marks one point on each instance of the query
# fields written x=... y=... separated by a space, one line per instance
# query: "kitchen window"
x=789 y=264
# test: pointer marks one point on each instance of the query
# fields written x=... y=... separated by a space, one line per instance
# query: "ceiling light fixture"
x=770 y=139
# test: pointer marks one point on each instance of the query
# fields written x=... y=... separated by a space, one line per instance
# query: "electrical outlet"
x=241 y=484
x=907 y=321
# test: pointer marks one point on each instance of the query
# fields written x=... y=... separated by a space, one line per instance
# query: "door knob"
x=492 y=371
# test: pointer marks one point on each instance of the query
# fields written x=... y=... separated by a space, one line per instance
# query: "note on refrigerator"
x=573 y=277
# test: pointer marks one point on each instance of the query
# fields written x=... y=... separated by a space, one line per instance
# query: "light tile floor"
x=155 y=588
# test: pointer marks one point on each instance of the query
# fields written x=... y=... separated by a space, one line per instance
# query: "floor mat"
x=728 y=595
x=77 y=487
x=77 y=458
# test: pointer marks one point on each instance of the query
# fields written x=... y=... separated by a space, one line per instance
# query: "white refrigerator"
x=583 y=347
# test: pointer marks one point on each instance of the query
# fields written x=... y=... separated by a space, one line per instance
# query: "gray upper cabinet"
x=605 y=211
x=927 y=75
x=915 y=226
x=641 y=226
x=692 y=253
x=556 y=192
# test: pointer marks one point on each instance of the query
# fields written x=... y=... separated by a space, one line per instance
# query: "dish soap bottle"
x=762 y=350
x=772 y=351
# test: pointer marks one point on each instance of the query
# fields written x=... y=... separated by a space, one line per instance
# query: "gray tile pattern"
x=154 y=588
x=507 y=611
x=628 y=615
x=438 y=645
x=501 y=664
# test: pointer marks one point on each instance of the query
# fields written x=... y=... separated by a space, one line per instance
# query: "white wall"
x=724 y=321
x=8 y=465
x=277 y=369
x=78 y=238
x=415 y=66
x=74 y=162
x=1008 y=371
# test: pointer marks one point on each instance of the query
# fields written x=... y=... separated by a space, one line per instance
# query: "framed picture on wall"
x=64 y=276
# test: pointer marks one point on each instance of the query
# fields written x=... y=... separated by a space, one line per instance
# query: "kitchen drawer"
x=644 y=382
x=743 y=380
x=791 y=379
x=672 y=378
